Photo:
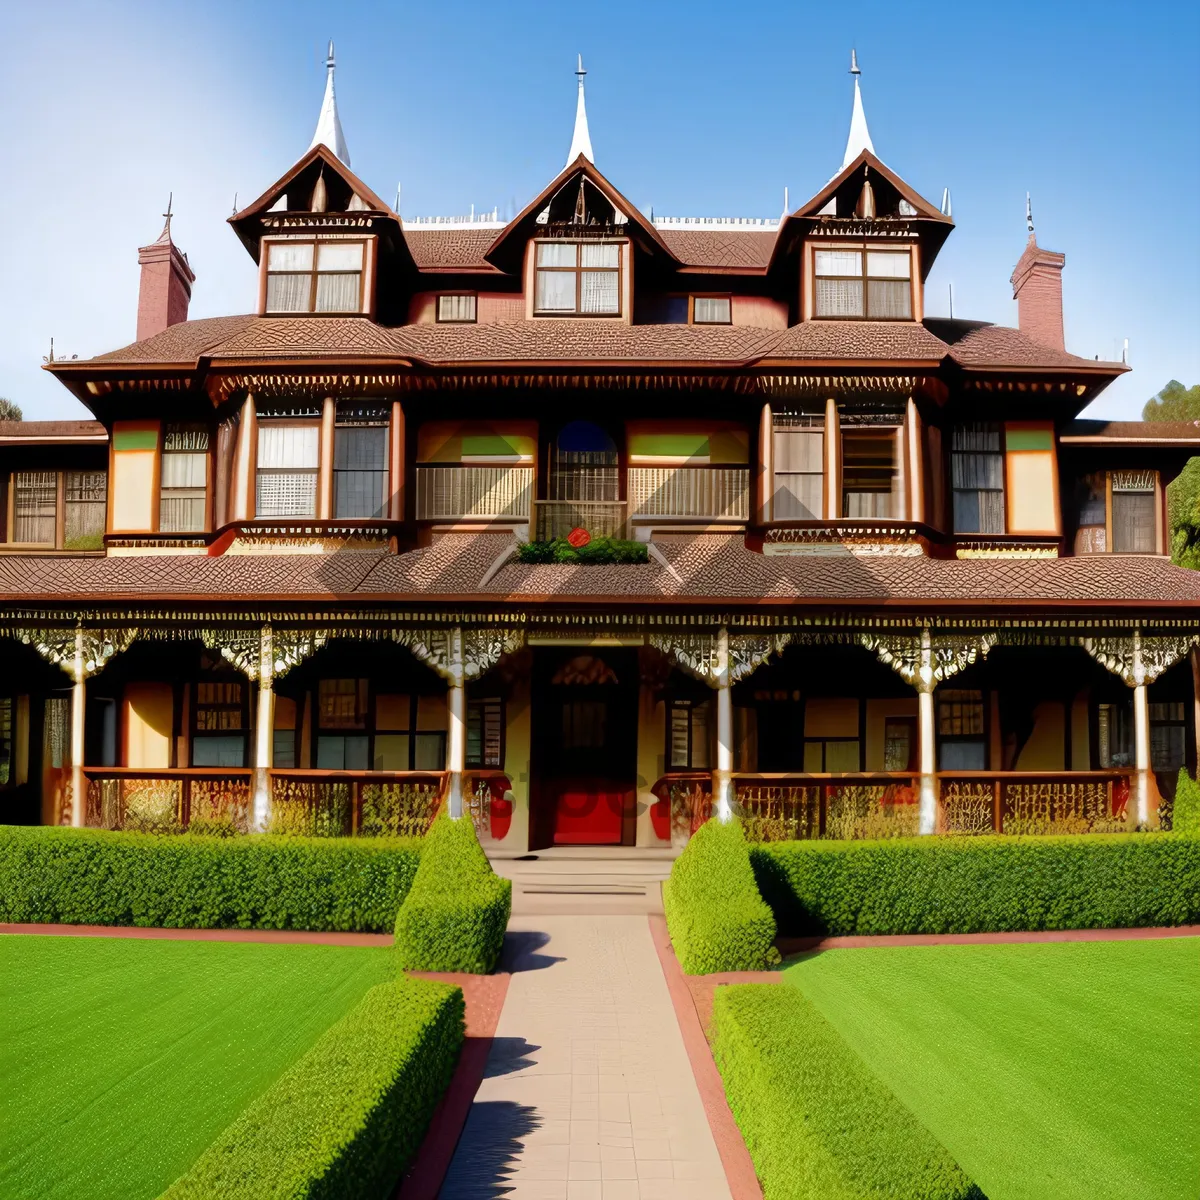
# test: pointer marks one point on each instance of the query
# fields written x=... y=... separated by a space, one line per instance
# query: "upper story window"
x=360 y=461
x=799 y=461
x=578 y=278
x=1117 y=512
x=183 y=490
x=871 y=284
x=64 y=510
x=288 y=462
x=314 y=277
x=457 y=309
x=712 y=310
x=870 y=464
x=977 y=479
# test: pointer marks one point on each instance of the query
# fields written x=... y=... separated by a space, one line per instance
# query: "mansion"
x=589 y=524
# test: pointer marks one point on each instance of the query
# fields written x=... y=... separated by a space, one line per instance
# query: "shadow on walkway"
x=520 y=952
x=494 y=1134
x=509 y=1054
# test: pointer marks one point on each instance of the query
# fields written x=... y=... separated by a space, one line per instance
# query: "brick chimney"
x=1037 y=289
x=166 y=286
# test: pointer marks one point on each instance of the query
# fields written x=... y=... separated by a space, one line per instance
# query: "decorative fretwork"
x=283 y=648
x=871 y=810
x=1137 y=659
x=924 y=660
x=699 y=654
x=397 y=809
x=968 y=807
x=58 y=646
x=310 y=807
x=1066 y=806
x=458 y=655
x=778 y=812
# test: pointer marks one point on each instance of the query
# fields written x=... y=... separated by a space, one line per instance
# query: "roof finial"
x=329 y=126
x=859 y=139
x=165 y=236
x=947 y=206
x=1028 y=214
x=581 y=139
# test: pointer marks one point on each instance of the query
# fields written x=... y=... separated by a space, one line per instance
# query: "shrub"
x=91 y=877
x=455 y=916
x=347 y=1117
x=981 y=884
x=818 y=1123
x=717 y=918
x=1186 y=812
x=598 y=550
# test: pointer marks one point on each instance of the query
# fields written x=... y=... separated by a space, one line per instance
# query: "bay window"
x=861 y=283
x=360 y=461
x=977 y=479
x=314 y=276
x=183 y=491
x=578 y=278
x=288 y=460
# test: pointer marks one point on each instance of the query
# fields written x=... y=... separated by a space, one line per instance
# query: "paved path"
x=588 y=1093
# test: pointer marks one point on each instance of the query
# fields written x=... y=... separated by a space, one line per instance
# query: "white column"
x=264 y=734
x=1141 y=732
x=456 y=740
x=926 y=739
x=722 y=782
x=78 y=709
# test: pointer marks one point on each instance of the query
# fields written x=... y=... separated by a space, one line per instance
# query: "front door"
x=585 y=718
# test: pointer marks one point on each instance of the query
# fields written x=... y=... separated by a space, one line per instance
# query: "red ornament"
x=578 y=538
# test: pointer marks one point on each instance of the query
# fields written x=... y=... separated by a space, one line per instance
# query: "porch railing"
x=355 y=803
x=784 y=807
x=601 y=518
x=1034 y=802
x=454 y=493
x=714 y=493
x=168 y=800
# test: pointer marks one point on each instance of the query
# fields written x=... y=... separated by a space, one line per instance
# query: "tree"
x=10 y=410
x=1177 y=403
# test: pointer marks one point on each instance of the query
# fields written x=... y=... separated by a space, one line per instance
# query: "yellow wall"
x=516 y=761
x=651 y=761
x=831 y=717
x=148 y=712
x=134 y=463
x=1044 y=749
x=20 y=748
x=878 y=712
x=1032 y=477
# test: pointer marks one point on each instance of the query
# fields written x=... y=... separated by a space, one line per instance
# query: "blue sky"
x=696 y=109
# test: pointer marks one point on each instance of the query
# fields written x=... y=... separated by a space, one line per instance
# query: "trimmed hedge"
x=348 y=1116
x=1185 y=816
x=818 y=1123
x=981 y=884
x=90 y=877
x=455 y=915
x=717 y=919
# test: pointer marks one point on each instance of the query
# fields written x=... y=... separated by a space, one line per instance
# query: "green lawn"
x=123 y=1059
x=1066 y=1071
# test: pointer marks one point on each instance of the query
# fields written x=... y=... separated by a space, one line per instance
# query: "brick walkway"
x=588 y=1093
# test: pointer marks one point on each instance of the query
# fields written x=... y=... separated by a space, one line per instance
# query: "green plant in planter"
x=597 y=551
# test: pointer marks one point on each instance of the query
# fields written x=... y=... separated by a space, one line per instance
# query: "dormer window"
x=860 y=283
x=457 y=309
x=578 y=279
x=712 y=310
x=314 y=277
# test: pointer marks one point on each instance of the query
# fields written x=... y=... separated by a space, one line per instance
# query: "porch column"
x=766 y=487
x=264 y=733
x=925 y=682
x=78 y=709
x=456 y=740
x=1141 y=732
x=722 y=782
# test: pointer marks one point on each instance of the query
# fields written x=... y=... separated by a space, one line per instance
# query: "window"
x=410 y=733
x=6 y=740
x=360 y=461
x=900 y=744
x=712 y=310
x=181 y=506
x=977 y=477
x=1091 y=534
x=1168 y=735
x=1114 y=734
x=831 y=755
x=868 y=473
x=687 y=735
x=286 y=479
x=456 y=310
x=1133 y=512
x=845 y=279
x=799 y=453
x=485 y=732
x=219 y=724
x=318 y=277
x=583 y=278
x=36 y=497
x=343 y=743
x=962 y=737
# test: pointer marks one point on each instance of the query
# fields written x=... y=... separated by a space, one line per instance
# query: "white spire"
x=329 y=128
x=581 y=139
x=859 y=139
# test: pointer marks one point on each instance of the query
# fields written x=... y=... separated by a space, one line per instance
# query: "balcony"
x=601 y=518
x=690 y=493
x=464 y=493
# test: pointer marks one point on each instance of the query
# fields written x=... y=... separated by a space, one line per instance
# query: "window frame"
x=864 y=250
x=206 y=521
x=473 y=319
x=280 y=422
x=578 y=271
x=1180 y=723
x=694 y=296
x=890 y=434
x=996 y=427
x=314 y=273
x=804 y=423
x=983 y=737
x=370 y=728
x=691 y=704
x=478 y=704
x=343 y=419
x=60 y=509
x=1109 y=493
x=194 y=731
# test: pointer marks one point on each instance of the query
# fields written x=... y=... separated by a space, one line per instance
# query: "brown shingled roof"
x=56 y=431
x=883 y=340
x=721 y=249
x=450 y=246
x=1134 y=431
x=182 y=343
x=978 y=344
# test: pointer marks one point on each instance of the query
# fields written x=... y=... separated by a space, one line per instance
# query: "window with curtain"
x=799 y=457
x=181 y=506
x=286 y=478
x=962 y=733
x=85 y=509
x=360 y=462
x=712 y=310
x=1091 y=533
x=35 y=507
x=977 y=479
x=580 y=278
x=457 y=310
x=485 y=732
x=219 y=723
x=687 y=735
x=321 y=276
x=869 y=473
x=875 y=284
x=1133 y=512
